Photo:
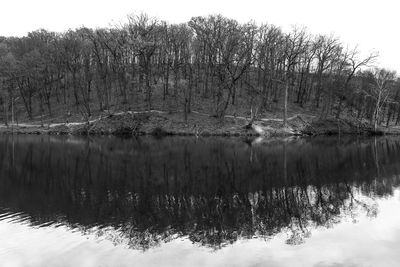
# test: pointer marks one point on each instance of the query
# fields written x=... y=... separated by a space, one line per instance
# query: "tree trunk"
x=285 y=100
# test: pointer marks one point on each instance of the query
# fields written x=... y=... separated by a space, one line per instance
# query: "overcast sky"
x=371 y=24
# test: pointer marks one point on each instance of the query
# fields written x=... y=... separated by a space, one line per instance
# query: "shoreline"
x=159 y=123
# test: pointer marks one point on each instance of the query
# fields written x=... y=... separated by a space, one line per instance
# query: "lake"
x=183 y=201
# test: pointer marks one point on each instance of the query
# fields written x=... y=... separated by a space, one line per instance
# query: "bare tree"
x=352 y=64
x=381 y=84
x=294 y=46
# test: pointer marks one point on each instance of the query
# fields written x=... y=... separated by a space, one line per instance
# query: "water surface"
x=67 y=201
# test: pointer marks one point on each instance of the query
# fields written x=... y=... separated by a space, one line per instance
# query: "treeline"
x=213 y=60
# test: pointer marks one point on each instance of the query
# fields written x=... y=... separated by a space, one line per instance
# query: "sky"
x=369 y=24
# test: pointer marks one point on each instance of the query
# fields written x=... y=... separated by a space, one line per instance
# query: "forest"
x=211 y=64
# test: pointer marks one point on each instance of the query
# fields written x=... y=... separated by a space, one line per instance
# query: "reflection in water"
x=141 y=193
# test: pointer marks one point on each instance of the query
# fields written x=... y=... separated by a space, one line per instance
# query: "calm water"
x=199 y=202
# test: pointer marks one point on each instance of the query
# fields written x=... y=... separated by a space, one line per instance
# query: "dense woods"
x=212 y=63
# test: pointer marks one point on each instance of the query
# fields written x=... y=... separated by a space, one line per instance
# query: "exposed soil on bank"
x=198 y=124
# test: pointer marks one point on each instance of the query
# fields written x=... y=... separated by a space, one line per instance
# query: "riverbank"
x=198 y=124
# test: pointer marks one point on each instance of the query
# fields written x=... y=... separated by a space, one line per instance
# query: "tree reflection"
x=144 y=192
